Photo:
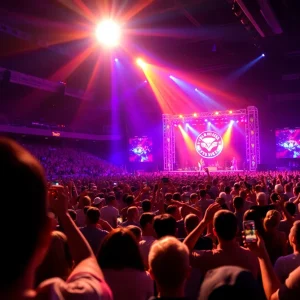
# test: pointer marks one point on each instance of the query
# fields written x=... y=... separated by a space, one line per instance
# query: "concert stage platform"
x=181 y=172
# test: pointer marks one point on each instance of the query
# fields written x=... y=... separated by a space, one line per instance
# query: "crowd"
x=62 y=162
x=145 y=236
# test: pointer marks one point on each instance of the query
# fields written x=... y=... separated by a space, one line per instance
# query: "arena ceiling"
x=201 y=36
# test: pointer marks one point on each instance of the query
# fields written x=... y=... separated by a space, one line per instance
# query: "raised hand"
x=257 y=247
x=210 y=212
x=59 y=199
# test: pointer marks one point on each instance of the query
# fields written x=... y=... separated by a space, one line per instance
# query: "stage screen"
x=140 y=149
x=288 y=143
x=219 y=145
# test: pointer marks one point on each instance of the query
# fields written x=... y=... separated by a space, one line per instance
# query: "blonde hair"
x=169 y=262
x=272 y=219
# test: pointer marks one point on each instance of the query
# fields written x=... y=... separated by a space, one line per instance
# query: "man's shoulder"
x=80 y=286
x=284 y=259
x=109 y=209
x=95 y=230
x=210 y=201
x=204 y=253
x=124 y=209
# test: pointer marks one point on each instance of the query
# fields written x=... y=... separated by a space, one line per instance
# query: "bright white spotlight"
x=116 y=60
x=108 y=33
x=263 y=55
x=141 y=63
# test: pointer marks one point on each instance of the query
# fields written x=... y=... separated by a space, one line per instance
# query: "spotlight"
x=116 y=60
x=231 y=122
x=145 y=81
x=108 y=33
x=205 y=120
x=141 y=63
x=196 y=89
x=195 y=115
x=216 y=113
x=263 y=55
x=171 y=76
x=180 y=116
x=209 y=123
x=230 y=111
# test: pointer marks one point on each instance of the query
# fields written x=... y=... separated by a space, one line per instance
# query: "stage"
x=223 y=139
x=181 y=172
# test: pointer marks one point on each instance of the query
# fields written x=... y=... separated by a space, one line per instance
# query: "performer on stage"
x=234 y=164
x=201 y=164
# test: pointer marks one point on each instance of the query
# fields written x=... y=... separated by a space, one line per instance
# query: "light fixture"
x=108 y=33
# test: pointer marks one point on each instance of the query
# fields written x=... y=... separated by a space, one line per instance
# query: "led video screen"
x=140 y=149
x=288 y=143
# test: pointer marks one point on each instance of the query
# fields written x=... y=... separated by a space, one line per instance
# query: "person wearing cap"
x=99 y=202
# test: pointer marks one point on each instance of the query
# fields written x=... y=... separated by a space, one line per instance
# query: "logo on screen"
x=209 y=144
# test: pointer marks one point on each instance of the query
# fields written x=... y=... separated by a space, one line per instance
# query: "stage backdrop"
x=217 y=143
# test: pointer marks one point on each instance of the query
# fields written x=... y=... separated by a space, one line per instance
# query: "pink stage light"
x=108 y=33
x=141 y=63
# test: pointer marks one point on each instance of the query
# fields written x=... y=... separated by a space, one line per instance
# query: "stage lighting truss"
x=250 y=114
